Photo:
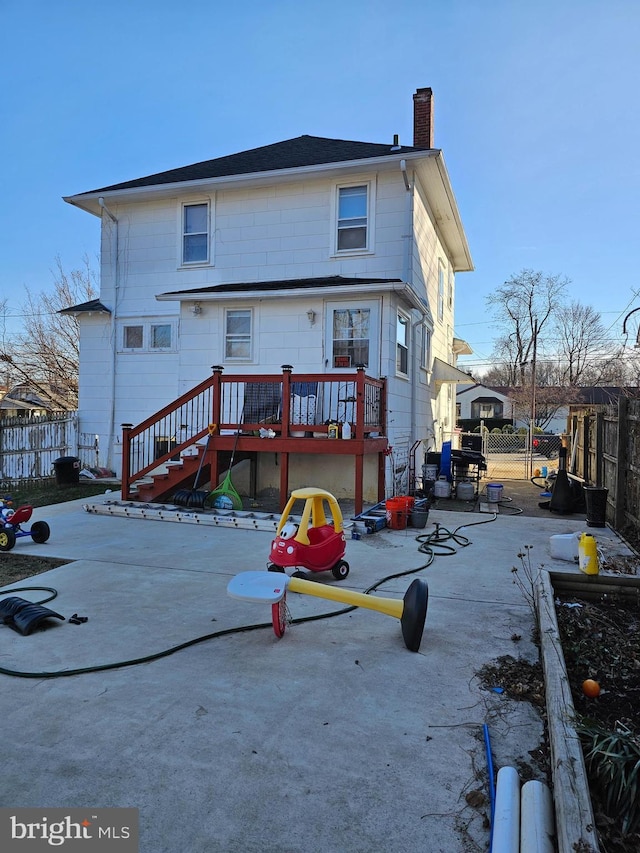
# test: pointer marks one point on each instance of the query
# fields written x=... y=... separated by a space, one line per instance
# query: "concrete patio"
x=333 y=738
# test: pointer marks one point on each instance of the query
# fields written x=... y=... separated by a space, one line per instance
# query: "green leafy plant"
x=612 y=759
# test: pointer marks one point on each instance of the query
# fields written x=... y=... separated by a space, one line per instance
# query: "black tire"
x=299 y=574
x=340 y=570
x=273 y=568
x=40 y=532
x=7 y=539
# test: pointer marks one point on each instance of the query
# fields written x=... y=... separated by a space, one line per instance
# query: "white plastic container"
x=494 y=492
x=564 y=546
x=442 y=488
x=430 y=472
x=465 y=491
x=346 y=430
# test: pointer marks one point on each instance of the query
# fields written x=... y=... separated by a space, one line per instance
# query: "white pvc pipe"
x=505 y=837
x=537 y=827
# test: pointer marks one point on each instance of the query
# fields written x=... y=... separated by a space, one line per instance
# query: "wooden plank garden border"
x=575 y=826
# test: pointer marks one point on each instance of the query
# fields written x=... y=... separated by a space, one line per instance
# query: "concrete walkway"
x=333 y=738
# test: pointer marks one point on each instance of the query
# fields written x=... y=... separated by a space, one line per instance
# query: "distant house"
x=479 y=402
x=323 y=254
x=497 y=405
x=28 y=401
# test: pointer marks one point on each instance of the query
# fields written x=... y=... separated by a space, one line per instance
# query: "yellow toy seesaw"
x=272 y=587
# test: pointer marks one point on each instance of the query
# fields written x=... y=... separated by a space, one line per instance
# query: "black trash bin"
x=596 y=502
x=67 y=470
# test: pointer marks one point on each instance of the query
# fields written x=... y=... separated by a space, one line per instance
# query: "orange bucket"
x=398 y=510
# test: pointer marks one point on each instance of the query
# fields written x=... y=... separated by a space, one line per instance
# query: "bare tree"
x=45 y=355
x=523 y=301
x=581 y=344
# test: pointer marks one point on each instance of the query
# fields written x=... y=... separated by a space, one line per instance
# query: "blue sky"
x=535 y=111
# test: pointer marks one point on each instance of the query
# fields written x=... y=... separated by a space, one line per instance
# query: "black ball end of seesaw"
x=416 y=599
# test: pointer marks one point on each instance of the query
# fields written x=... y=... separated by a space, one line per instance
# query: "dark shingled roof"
x=284 y=284
x=290 y=154
x=85 y=308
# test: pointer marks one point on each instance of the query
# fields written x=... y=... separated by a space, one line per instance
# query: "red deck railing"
x=298 y=408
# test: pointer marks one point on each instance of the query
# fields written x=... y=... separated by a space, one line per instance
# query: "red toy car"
x=314 y=544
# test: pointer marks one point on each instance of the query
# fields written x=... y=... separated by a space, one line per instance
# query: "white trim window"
x=238 y=334
x=352 y=218
x=425 y=355
x=440 y=291
x=402 y=344
x=148 y=336
x=196 y=229
x=351 y=339
x=450 y=295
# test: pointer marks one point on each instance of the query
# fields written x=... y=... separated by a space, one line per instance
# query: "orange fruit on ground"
x=591 y=688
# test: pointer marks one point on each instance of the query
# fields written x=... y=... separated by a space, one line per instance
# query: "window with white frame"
x=195 y=233
x=450 y=288
x=160 y=336
x=148 y=336
x=402 y=344
x=440 y=291
x=351 y=337
x=425 y=355
x=133 y=337
x=352 y=218
x=237 y=341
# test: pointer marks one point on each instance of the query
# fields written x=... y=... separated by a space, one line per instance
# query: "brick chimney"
x=423 y=118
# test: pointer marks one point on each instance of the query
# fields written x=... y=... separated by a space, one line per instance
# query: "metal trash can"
x=596 y=502
x=67 y=470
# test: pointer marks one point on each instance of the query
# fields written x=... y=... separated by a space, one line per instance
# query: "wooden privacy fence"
x=29 y=446
x=606 y=454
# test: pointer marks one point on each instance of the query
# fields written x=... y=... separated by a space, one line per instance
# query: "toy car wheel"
x=273 y=568
x=279 y=616
x=340 y=570
x=7 y=539
x=299 y=574
x=40 y=532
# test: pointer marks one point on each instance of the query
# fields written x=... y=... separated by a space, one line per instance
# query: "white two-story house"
x=325 y=255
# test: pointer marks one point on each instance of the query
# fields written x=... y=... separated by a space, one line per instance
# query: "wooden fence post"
x=621 y=463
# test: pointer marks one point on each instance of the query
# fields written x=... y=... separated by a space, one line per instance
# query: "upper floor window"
x=402 y=344
x=237 y=346
x=451 y=289
x=195 y=233
x=425 y=356
x=440 y=291
x=352 y=218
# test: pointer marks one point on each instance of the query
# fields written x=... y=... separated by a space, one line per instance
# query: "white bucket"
x=564 y=546
x=442 y=488
x=494 y=492
x=430 y=472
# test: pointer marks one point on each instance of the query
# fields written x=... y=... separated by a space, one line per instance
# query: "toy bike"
x=10 y=527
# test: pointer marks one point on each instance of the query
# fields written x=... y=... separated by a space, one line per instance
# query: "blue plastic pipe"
x=492 y=786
